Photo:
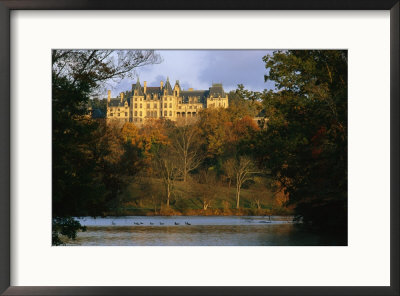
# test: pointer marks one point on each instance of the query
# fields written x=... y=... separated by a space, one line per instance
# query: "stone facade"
x=143 y=102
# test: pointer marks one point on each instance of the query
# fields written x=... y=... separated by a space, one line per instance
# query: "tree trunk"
x=168 y=195
x=237 y=196
x=185 y=170
x=205 y=205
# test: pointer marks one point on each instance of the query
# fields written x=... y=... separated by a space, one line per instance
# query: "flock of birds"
x=151 y=223
x=176 y=223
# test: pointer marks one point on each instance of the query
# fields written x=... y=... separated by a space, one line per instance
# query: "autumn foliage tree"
x=305 y=143
x=76 y=183
x=213 y=125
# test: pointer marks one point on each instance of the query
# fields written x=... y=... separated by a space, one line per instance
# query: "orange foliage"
x=213 y=126
x=243 y=127
x=153 y=132
x=220 y=129
x=130 y=133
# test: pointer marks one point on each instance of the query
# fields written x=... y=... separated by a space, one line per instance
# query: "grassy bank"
x=147 y=198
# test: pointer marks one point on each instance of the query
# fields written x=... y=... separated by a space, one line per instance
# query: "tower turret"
x=138 y=89
x=177 y=88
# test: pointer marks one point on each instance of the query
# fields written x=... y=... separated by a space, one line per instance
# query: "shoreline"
x=198 y=212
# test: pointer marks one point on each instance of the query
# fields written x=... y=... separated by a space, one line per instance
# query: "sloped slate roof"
x=201 y=94
x=168 y=87
x=217 y=90
x=138 y=87
x=153 y=90
x=116 y=103
x=194 y=93
x=177 y=84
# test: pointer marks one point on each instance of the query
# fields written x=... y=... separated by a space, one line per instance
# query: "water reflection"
x=202 y=231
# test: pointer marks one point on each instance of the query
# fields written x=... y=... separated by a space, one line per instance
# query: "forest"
x=222 y=162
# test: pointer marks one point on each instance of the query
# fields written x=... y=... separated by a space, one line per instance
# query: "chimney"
x=122 y=96
x=109 y=96
x=161 y=84
x=144 y=86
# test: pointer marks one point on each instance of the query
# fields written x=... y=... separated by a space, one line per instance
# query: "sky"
x=198 y=69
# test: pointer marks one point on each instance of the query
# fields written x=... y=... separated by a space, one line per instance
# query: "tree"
x=305 y=143
x=261 y=192
x=119 y=160
x=77 y=185
x=186 y=144
x=99 y=105
x=208 y=179
x=91 y=68
x=213 y=125
x=242 y=130
x=242 y=169
x=243 y=102
x=152 y=135
x=167 y=168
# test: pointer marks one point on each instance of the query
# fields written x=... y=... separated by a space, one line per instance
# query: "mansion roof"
x=116 y=102
x=216 y=90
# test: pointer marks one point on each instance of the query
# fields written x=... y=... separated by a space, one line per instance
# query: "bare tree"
x=165 y=165
x=229 y=168
x=261 y=192
x=187 y=147
x=241 y=169
x=258 y=203
x=209 y=180
x=99 y=66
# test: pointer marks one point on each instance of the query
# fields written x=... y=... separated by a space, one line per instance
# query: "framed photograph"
x=199 y=149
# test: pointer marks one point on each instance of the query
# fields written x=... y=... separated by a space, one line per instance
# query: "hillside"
x=147 y=198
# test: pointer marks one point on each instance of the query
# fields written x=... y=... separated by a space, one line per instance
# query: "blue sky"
x=200 y=68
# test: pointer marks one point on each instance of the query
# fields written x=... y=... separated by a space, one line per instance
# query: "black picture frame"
x=7 y=6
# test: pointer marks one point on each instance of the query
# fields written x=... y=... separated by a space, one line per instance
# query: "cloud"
x=233 y=67
x=156 y=81
x=200 y=68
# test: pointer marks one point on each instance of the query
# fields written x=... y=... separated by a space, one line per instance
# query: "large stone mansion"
x=145 y=102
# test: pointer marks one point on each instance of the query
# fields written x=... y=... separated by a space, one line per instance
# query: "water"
x=198 y=231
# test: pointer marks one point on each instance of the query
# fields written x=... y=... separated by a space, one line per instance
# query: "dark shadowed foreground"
x=200 y=231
